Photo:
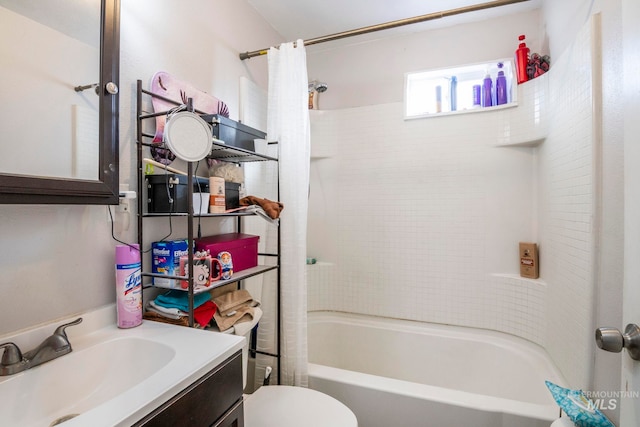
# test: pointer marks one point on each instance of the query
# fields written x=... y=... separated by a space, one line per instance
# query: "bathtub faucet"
x=56 y=345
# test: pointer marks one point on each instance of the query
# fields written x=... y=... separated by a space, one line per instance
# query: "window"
x=457 y=89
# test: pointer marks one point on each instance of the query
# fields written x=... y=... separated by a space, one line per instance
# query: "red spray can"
x=522 y=60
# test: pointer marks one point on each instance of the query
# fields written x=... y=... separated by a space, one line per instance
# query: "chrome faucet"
x=56 y=345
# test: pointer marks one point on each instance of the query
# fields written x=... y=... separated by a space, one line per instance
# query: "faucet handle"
x=60 y=330
x=11 y=355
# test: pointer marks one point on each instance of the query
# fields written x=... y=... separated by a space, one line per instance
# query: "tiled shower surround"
x=421 y=219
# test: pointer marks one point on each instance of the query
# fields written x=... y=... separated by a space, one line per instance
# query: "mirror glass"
x=58 y=128
x=54 y=132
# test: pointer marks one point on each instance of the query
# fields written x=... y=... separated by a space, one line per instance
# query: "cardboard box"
x=242 y=247
x=529 y=267
x=165 y=259
x=224 y=195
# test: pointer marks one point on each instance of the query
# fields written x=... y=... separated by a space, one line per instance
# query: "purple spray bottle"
x=128 y=286
x=487 y=91
x=501 y=86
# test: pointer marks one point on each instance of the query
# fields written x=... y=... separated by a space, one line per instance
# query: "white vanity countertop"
x=113 y=377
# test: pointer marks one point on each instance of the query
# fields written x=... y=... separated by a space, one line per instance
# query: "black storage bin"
x=233 y=133
x=231 y=195
x=161 y=187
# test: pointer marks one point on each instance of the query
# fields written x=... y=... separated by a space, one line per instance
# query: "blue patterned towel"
x=579 y=409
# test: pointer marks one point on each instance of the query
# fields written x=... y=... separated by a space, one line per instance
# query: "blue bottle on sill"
x=501 y=86
x=454 y=93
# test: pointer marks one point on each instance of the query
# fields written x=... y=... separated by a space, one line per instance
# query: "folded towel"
x=204 y=313
x=168 y=316
x=230 y=300
x=240 y=328
x=150 y=315
x=180 y=300
x=234 y=307
x=255 y=209
x=242 y=314
x=174 y=313
x=220 y=290
x=271 y=208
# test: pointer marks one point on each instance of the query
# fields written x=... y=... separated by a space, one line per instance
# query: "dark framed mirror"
x=96 y=183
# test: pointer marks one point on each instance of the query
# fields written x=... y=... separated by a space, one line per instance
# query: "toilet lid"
x=287 y=406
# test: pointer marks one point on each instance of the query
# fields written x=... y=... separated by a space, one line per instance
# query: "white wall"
x=421 y=219
x=58 y=260
x=566 y=210
x=562 y=21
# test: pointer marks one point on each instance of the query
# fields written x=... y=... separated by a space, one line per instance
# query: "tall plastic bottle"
x=477 y=98
x=128 y=286
x=501 y=86
x=453 y=95
x=522 y=60
x=487 y=91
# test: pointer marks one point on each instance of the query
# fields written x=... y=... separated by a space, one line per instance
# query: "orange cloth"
x=270 y=207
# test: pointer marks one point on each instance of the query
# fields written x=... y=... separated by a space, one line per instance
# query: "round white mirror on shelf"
x=188 y=136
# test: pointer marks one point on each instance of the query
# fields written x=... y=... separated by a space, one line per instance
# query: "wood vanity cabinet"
x=215 y=400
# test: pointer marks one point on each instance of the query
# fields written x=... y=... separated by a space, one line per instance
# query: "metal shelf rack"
x=220 y=151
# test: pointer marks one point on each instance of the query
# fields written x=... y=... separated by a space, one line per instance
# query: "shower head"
x=318 y=87
x=321 y=87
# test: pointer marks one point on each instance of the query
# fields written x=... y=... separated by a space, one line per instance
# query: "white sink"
x=113 y=377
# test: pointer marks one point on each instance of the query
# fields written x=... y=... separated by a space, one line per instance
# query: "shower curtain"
x=288 y=123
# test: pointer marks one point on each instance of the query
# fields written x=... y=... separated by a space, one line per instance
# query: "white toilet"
x=563 y=422
x=287 y=406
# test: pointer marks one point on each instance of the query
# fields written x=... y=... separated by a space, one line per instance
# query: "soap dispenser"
x=487 y=91
x=501 y=86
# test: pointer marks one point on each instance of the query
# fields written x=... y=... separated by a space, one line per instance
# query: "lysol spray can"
x=128 y=286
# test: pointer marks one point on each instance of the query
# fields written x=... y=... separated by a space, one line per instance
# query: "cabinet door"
x=235 y=418
x=204 y=402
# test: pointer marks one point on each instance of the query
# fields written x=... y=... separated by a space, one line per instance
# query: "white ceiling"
x=305 y=19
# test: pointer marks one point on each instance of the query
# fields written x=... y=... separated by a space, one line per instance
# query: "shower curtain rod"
x=392 y=24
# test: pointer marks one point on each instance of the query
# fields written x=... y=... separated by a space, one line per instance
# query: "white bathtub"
x=411 y=374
